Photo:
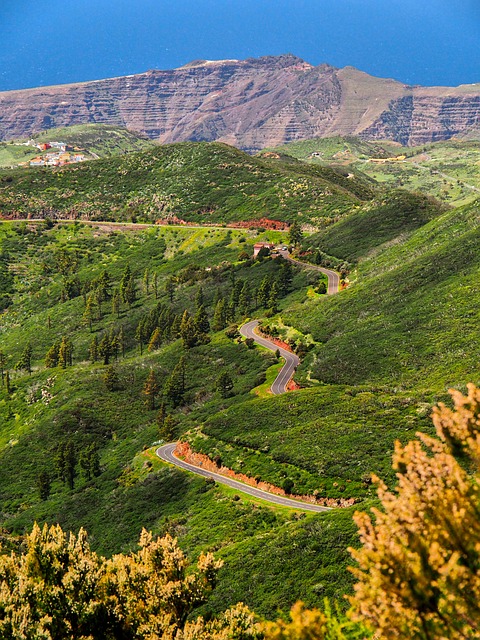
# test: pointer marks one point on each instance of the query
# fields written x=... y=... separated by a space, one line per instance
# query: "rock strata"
x=252 y=104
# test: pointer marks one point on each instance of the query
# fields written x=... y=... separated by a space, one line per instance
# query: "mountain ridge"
x=252 y=104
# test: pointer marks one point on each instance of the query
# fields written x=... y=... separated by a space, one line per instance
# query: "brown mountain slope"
x=251 y=104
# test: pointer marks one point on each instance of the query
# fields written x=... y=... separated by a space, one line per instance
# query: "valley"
x=130 y=294
x=448 y=171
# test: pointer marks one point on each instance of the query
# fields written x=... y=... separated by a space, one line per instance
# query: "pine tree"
x=84 y=291
x=93 y=350
x=104 y=285
x=89 y=314
x=44 y=484
x=155 y=340
x=285 y=277
x=167 y=431
x=161 y=415
x=150 y=389
x=155 y=285
x=105 y=349
x=170 y=288
x=199 y=298
x=130 y=294
x=188 y=331
x=25 y=362
x=65 y=353
x=114 y=343
x=273 y=298
x=295 y=234
x=264 y=291
x=245 y=301
x=202 y=324
x=175 y=327
x=90 y=462
x=66 y=463
x=52 y=356
x=116 y=302
x=110 y=378
x=140 y=335
x=235 y=294
x=219 y=316
x=175 y=386
x=224 y=384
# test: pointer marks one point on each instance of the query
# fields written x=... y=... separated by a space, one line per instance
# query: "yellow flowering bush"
x=419 y=564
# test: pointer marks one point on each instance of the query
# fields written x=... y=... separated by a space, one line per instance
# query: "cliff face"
x=251 y=104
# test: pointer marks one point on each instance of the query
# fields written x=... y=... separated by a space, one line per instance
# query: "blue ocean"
x=47 y=42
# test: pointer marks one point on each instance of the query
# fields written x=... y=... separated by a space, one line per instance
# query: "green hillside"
x=97 y=140
x=102 y=140
x=446 y=170
x=412 y=314
x=389 y=219
x=206 y=183
x=53 y=408
x=78 y=431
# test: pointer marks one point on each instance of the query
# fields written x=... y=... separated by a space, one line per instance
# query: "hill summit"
x=252 y=104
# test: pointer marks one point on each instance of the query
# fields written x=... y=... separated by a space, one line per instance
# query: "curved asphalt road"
x=279 y=386
x=291 y=360
x=166 y=453
x=333 y=276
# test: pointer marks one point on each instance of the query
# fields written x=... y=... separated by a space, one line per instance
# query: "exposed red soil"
x=264 y=223
x=293 y=386
x=184 y=452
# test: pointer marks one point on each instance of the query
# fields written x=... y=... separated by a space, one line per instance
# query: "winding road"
x=279 y=386
x=333 y=276
x=291 y=360
x=166 y=453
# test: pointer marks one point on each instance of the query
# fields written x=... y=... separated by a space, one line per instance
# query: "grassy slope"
x=412 y=316
x=391 y=219
x=206 y=182
x=101 y=140
x=135 y=489
x=423 y=170
x=387 y=348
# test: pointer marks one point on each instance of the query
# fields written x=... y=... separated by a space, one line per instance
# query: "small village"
x=55 y=154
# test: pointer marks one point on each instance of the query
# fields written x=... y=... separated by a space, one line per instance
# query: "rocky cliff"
x=251 y=104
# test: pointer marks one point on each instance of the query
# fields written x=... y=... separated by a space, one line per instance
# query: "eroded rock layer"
x=251 y=104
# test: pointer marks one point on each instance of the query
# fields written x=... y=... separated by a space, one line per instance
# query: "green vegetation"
x=97 y=140
x=448 y=170
x=114 y=338
x=102 y=140
x=204 y=183
x=74 y=440
x=388 y=220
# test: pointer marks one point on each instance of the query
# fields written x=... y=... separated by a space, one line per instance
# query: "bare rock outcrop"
x=252 y=104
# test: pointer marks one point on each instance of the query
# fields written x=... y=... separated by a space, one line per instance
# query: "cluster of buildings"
x=56 y=154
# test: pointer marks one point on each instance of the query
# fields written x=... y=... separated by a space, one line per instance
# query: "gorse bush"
x=59 y=588
x=419 y=566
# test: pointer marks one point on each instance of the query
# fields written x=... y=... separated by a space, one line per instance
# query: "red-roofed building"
x=257 y=247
